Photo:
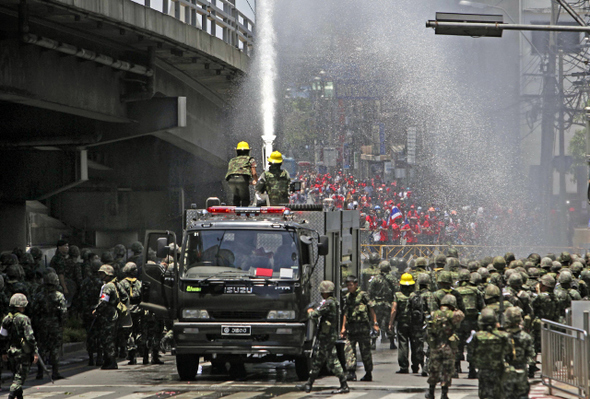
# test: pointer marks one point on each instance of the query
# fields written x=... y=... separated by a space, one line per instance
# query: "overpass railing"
x=565 y=356
x=219 y=18
x=468 y=251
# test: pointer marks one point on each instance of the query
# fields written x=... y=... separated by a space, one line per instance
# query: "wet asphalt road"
x=262 y=381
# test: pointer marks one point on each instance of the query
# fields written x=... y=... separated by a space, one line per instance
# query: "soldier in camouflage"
x=442 y=341
x=241 y=170
x=381 y=292
x=14 y=283
x=58 y=263
x=578 y=283
x=275 y=181
x=358 y=318
x=474 y=303
x=516 y=383
x=326 y=318
x=421 y=306
x=90 y=290
x=445 y=282
x=565 y=294
x=490 y=348
x=402 y=314
x=19 y=347
x=496 y=278
x=49 y=315
x=132 y=335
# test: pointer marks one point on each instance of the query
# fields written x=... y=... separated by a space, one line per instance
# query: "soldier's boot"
x=12 y=395
x=351 y=376
x=55 y=373
x=367 y=377
x=307 y=386
x=472 y=372
x=392 y=344
x=458 y=367
x=430 y=393
x=90 y=359
x=146 y=356
x=39 y=375
x=343 y=387
x=373 y=343
x=132 y=359
x=445 y=393
x=99 y=359
x=156 y=357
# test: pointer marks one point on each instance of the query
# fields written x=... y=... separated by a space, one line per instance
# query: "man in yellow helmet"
x=275 y=181
x=240 y=171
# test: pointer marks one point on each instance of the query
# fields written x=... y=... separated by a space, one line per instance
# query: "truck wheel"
x=187 y=366
x=302 y=367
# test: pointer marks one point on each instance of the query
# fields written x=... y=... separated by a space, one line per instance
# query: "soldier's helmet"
x=528 y=264
x=515 y=280
x=130 y=269
x=36 y=252
x=423 y=279
x=384 y=266
x=516 y=264
x=546 y=263
x=534 y=272
x=548 y=281
x=565 y=277
x=483 y=272
x=473 y=266
x=19 y=300
x=107 y=269
x=576 y=267
x=402 y=265
x=535 y=258
x=551 y=256
x=556 y=266
x=491 y=269
x=107 y=257
x=464 y=275
x=499 y=263
x=119 y=250
x=509 y=257
x=51 y=279
x=491 y=291
x=440 y=260
x=475 y=278
x=445 y=277
x=487 y=317
x=513 y=316
x=407 y=279
x=486 y=261
x=13 y=271
x=74 y=251
x=452 y=263
x=449 y=300
x=565 y=258
x=452 y=253
x=585 y=275
x=137 y=247
x=326 y=287
x=421 y=262
x=374 y=258
x=27 y=259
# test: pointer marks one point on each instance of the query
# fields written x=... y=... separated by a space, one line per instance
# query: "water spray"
x=267 y=73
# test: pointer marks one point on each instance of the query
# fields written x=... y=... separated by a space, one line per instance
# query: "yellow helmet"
x=242 y=145
x=407 y=279
x=275 y=157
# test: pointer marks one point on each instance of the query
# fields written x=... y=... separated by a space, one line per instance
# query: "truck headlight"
x=281 y=315
x=194 y=314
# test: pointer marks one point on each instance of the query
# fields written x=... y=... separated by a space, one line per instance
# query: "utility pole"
x=548 y=125
x=562 y=208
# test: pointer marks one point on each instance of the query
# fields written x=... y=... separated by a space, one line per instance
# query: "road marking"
x=242 y=395
x=351 y=395
x=192 y=395
x=91 y=395
x=292 y=395
x=137 y=395
x=39 y=395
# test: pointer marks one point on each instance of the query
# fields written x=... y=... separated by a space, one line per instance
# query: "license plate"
x=236 y=330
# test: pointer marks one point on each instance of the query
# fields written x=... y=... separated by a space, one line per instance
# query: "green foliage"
x=577 y=148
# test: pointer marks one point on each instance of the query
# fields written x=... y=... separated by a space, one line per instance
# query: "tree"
x=577 y=147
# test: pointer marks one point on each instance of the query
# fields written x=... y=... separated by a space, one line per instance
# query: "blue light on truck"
x=281 y=315
x=195 y=314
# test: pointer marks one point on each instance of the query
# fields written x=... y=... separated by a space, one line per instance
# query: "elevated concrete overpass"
x=112 y=112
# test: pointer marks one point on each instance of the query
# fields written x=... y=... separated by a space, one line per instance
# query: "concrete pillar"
x=13 y=230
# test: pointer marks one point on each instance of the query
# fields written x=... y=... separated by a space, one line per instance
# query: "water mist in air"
x=266 y=71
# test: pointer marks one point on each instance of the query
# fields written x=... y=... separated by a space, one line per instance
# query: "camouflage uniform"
x=49 y=315
x=516 y=384
x=238 y=176
x=442 y=342
x=90 y=290
x=564 y=294
x=405 y=336
x=18 y=341
x=107 y=314
x=152 y=331
x=275 y=181
x=358 y=326
x=132 y=286
x=421 y=306
x=474 y=303
x=490 y=347
x=381 y=291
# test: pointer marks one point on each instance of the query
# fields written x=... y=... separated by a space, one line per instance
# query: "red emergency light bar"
x=238 y=210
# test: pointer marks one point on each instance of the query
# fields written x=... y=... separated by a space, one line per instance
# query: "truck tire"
x=302 y=367
x=187 y=366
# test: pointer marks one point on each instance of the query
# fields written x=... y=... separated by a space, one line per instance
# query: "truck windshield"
x=231 y=253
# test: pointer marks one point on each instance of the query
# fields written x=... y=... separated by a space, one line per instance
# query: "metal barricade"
x=565 y=355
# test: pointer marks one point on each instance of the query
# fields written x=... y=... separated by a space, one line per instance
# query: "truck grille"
x=237 y=315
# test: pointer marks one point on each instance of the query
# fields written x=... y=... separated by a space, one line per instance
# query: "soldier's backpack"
x=469 y=296
x=404 y=314
x=418 y=308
